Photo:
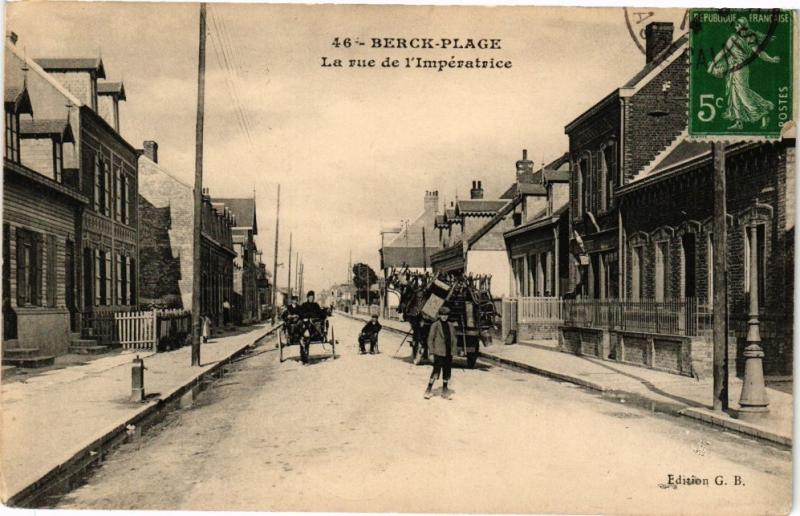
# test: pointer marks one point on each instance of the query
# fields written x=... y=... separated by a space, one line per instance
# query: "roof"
x=9 y=167
x=531 y=189
x=479 y=206
x=111 y=88
x=73 y=64
x=552 y=172
x=557 y=176
x=18 y=95
x=656 y=62
x=407 y=256
x=538 y=223
x=42 y=128
x=635 y=82
x=244 y=210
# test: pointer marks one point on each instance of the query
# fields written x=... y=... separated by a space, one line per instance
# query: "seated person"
x=369 y=333
x=311 y=310
x=292 y=309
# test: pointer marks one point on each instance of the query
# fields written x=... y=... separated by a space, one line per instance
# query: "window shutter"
x=132 y=280
x=36 y=295
x=109 y=279
x=22 y=288
x=52 y=258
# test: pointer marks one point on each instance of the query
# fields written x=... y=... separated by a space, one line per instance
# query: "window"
x=662 y=271
x=12 y=136
x=637 y=273
x=586 y=180
x=108 y=189
x=102 y=278
x=548 y=274
x=58 y=160
x=609 y=160
x=117 y=194
x=119 y=297
x=124 y=216
x=759 y=233
x=602 y=180
x=130 y=264
x=99 y=194
x=29 y=268
x=688 y=246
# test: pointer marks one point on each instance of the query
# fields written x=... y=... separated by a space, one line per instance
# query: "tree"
x=363 y=278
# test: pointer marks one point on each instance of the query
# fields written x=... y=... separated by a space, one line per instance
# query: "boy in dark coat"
x=369 y=333
x=442 y=344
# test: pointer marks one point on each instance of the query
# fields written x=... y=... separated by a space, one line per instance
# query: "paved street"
x=355 y=434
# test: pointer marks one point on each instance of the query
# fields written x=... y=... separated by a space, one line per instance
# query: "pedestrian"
x=369 y=333
x=226 y=311
x=442 y=344
x=206 y=328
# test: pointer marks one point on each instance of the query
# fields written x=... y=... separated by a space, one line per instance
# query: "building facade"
x=166 y=239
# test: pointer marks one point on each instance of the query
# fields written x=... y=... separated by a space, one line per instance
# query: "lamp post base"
x=753 y=402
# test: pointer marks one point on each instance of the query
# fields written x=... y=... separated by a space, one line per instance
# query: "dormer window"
x=58 y=160
x=12 y=136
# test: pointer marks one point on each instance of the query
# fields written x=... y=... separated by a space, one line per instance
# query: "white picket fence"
x=141 y=330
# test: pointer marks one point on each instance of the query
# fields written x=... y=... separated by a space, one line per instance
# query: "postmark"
x=740 y=75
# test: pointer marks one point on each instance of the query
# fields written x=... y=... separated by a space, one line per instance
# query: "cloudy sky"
x=353 y=149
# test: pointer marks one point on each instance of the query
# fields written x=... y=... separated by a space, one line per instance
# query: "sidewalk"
x=667 y=392
x=672 y=393
x=50 y=419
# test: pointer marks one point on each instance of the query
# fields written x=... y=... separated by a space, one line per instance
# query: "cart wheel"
x=333 y=343
x=472 y=358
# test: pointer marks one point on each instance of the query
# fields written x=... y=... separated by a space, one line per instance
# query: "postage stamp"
x=740 y=78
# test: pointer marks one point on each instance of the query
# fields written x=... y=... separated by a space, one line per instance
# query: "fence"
x=143 y=330
x=366 y=309
x=686 y=317
x=539 y=309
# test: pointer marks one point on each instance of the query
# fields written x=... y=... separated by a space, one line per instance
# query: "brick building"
x=85 y=159
x=641 y=200
x=244 y=298
x=666 y=212
x=166 y=225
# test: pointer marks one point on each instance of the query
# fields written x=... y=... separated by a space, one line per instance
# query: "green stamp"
x=740 y=74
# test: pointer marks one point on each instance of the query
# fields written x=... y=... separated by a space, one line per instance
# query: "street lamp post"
x=754 y=393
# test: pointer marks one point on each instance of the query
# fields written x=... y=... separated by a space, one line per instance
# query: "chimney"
x=658 y=36
x=151 y=150
x=524 y=165
x=432 y=201
x=477 y=190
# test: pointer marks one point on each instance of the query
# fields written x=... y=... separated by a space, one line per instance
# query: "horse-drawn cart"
x=303 y=332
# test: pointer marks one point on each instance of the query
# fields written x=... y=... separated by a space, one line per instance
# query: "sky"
x=353 y=149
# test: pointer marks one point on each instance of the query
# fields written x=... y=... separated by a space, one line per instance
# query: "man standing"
x=369 y=333
x=442 y=344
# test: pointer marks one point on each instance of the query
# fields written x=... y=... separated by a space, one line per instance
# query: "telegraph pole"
x=289 y=276
x=302 y=272
x=198 y=191
x=297 y=273
x=275 y=263
x=720 y=234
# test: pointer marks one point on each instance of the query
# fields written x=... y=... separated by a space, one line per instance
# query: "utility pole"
x=297 y=273
x=198 y=191
x=275 y=263
x=720 y=234
x=302 y=279
x=424 y=252
x=289 y=277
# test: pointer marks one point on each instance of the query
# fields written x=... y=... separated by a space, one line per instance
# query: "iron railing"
x=685 y=317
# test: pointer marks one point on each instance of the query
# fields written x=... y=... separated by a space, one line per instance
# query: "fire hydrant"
x=137 y=379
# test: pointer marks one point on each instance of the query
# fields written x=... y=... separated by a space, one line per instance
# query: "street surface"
x=355 y=434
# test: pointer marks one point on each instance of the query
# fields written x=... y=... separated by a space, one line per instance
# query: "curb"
x=697 y=414
x=63 y=474
x=543 y=372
